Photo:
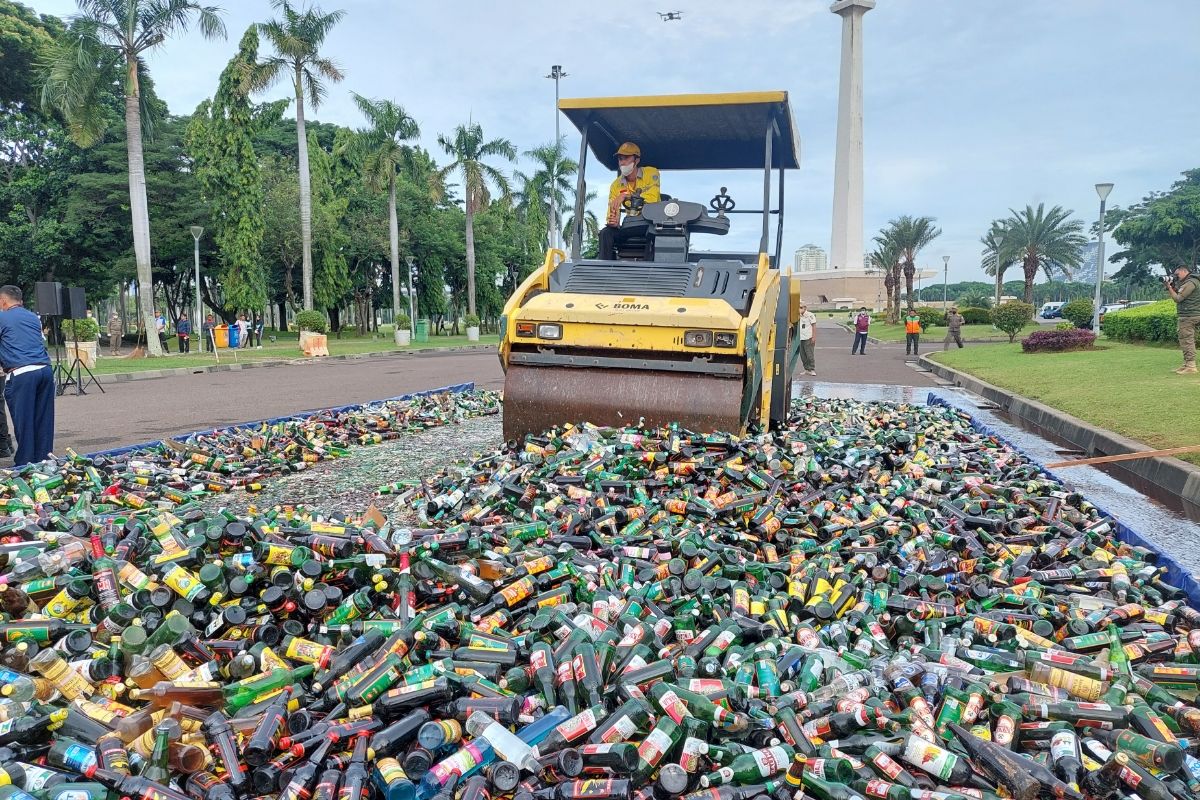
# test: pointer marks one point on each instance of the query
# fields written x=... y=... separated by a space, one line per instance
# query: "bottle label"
x=673 y=706
x=693 y=749
x=887 y=765
x=537 y=659
x=878 y=788
x=36 y=777
x=620 y=731
x=929 y=757
x=1062 y=745
x=78 y=757
x=1130 y=778
x=577 y=725
x=770 y=760
x=654 y=746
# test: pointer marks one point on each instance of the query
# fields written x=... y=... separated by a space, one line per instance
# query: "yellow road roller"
x=664 y=331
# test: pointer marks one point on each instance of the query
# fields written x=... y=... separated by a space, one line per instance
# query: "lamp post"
x=557 y=73
x=412 y=300
x=197 y=231
x=1102 y=189
x=945 y=280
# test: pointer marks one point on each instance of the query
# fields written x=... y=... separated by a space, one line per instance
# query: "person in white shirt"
x=806 y=333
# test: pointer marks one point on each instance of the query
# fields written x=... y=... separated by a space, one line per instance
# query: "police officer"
x=29 y=384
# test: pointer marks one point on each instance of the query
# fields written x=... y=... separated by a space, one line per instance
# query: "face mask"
x=627 y=170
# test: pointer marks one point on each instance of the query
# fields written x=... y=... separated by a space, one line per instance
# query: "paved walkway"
x=883 y=363
x=138 y=411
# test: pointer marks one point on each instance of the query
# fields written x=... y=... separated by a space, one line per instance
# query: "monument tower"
x=846 y=251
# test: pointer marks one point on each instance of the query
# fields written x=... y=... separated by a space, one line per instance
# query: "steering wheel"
x=633 y=203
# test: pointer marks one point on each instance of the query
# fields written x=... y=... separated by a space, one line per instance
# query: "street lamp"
x=412 y=301
x=1102 y=189
x=197 y=231
x=557 y=73
x=945 y=279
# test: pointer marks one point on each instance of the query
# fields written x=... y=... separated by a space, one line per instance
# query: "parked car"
x=1051 y=310
x=1111 y=307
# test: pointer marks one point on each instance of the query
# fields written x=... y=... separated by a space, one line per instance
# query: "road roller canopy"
x=690 y=131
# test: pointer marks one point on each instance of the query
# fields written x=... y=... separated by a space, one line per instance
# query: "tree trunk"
x=909 y=272
x=305 y=199
x=999 y=282
x=1030 y=277
x=393 y=243
x=139 y=210
x=470 y=255
x=335 y=321
x=282 y=326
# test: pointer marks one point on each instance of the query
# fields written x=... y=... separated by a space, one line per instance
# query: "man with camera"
x=1184 y=287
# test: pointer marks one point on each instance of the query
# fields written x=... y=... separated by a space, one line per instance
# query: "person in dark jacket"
x=183 y=331
x=1184 y=287
x=207 y=331
x=29 y=384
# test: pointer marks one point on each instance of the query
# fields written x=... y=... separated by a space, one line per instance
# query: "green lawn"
x=286 y=347
x=1126 y=388
x=895 y=333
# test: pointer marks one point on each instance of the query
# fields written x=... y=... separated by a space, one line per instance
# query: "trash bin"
x=221 y=335
x=234 y=333
x=422 y=330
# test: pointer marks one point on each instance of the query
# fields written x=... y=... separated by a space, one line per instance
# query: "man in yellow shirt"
x=633 y=178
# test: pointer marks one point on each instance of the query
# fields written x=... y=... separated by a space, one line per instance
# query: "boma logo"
x=631 y=306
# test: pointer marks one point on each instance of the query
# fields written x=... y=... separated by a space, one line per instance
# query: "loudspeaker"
x=74 y=302
x=49 y=298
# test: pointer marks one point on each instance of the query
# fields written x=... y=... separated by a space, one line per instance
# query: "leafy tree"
x=994 y=255
x=975 y=300
x=111 y=35
x=1042 y=240
x=282 y=245
x=1079 y=312
x=331 y=276
x=886 y=258
x=221 y=142
x=1012 y=317
x=1162 y=230
x=25 y=37
x=468 y=148
x=297 y=38
x=386 y=152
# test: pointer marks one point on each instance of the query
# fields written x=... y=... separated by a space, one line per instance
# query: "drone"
x=667 y=16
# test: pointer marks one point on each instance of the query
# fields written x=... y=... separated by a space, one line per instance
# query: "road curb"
x=1170 y=475
x=150 y=374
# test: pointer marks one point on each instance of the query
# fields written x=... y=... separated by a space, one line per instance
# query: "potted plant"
x=82 y=337
x=472 y=323
x=313 y=326
x=403 y=330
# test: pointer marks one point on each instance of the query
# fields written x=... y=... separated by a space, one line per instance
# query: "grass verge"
x=1126 y=388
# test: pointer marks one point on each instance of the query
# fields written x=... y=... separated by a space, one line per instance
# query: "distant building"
x=811 y=258
x=1086 y=271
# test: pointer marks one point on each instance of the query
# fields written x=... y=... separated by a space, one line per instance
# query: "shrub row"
x=1057 y=341
x=1079 y=312
x=1156 y=322
x=976 y=316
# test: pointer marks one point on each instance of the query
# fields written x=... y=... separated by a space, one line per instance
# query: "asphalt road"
x=138 y=411
x=144 y=410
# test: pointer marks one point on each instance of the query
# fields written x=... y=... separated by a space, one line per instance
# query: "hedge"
x=976 y=316
x=931 y=316
x=1012 y=317
x=1156 y=322
x=312 y=321
x=1057 y=341
x=1079 y=312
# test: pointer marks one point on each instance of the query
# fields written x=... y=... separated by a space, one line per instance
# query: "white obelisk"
x=846 y=251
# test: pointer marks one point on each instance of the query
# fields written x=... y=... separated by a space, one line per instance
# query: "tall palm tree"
x=993 y=254
x=106 y=36
x=885 y=258
x=1042 y=240
x=910 y=235
x=468 y=148
x=385 y=152
x=297 y=38
x=551 y=180
x=591 y=224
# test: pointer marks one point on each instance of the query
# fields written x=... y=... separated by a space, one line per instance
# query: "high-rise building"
x=811 y=258
x=1086 y=271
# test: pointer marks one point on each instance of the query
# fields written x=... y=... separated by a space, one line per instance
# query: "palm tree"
x=384 y=152
x=108 y=35
x=993 y=250
x=910 y=235
x=591 y=225
x=1042 y=240
x=468 y=148
x=297 y=38
x=885 y=258
x=549 y=185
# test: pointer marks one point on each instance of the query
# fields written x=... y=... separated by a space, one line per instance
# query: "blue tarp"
x=1176 y=575
x=117 y=451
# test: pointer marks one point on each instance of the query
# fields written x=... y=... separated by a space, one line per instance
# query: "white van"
x=1051 y=310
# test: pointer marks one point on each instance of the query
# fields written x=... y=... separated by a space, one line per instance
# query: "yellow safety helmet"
x=629 y=149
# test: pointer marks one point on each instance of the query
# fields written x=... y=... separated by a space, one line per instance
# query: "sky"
x=971 y=107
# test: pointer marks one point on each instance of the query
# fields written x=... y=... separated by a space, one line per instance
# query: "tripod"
x=73 y=375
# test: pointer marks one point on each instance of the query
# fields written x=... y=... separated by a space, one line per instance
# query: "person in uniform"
x=1184 y=288
x=29 y=381
x=634 y=179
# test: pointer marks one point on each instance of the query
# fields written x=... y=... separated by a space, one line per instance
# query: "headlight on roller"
x=549 y=330
x=697 y=338
x=725 y=339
